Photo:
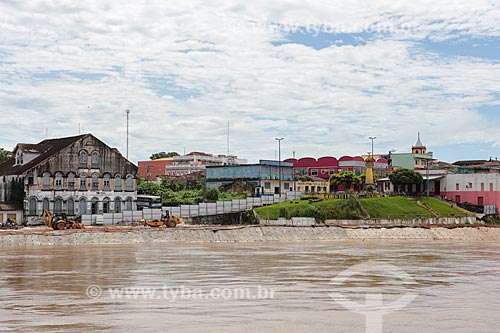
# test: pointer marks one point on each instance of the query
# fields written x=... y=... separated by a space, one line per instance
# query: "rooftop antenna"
x=46 y=132
x=79 y=132
x=293 y=153
x=228 y=138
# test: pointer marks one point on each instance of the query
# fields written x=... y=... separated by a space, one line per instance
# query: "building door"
x=480 y=201
x=437 y=187
x=276 y=190
x=457 y=198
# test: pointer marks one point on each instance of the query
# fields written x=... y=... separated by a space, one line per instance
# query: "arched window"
x=129 y=183
x=107 y=179
x=83 y=182
x=83 y=159
x=118 y=183
x=46 y=181
x=58 y=181
x=118 y=205
x=71 y=207
x=128 y=204
x=71 y=182
x=32 y=206
x=58 y=205
x=95 y=182
x=83 y=206
x=95 y=206
x=46 y=204
x=105 y=205
x=95 y=160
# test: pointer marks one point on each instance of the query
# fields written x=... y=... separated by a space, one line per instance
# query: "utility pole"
x=279 y=163
x=127 y=111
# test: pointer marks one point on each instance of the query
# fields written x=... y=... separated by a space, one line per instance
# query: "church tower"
x=419 y=148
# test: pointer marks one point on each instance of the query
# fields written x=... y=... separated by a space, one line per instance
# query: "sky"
x=323 y=75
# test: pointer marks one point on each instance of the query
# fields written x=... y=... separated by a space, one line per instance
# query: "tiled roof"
x=45 y=148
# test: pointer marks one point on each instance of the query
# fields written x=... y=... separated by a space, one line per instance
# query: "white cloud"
x=325 y=102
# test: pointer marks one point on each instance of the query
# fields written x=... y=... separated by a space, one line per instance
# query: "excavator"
x=165 y=220
x=60 y=222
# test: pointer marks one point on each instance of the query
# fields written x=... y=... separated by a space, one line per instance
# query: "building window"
x=118 y=205
x=94 y=206
x=286 y=186
x=46 y=204
x=95 y=160
x=457 y=187
x=32 y=208
x=332 y=171
x=314 y=172
x=491 y=187
x=71 y=207
x=31 y=179
x=323 y=171
x=267 y=185
x=58 y=205
x=107 y=179
x=129 y=183
x=58 y=181
x=470 y=186
x=118 y=183
x=83 y=182
x=105 y=205
x=95 y=182
x=71 y=182
x=83 y=206
x=128 y=204
x=482 y=187
x=46 y=181
x=83 y=159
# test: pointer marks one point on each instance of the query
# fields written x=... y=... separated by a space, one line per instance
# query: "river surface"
x=258 y=287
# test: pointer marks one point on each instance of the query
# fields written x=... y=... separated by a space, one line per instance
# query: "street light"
x=372 y=138
x=279 y=162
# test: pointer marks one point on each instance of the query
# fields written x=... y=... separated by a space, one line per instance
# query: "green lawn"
x=394 y=208
x=377 y=208
x=444 y=209
x=272 y=212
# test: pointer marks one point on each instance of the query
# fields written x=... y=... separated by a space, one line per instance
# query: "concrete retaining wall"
x=245 y=234
x=428 y=221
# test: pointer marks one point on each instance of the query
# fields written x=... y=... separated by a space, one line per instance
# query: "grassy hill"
x=377 y=208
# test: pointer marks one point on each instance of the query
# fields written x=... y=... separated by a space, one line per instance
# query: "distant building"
x=315 y=185
x=418 y=159
x=196 y=162
x=75 y=175
x=260 y=179
x=150 y=170
x=324 y=167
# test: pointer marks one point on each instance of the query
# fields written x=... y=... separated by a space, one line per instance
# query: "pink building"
x=323 y=167
x=478 y=188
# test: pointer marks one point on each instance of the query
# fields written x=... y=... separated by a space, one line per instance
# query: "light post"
x=127 y=112
x=279 y=163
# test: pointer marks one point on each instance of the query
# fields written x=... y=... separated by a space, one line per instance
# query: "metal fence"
x=187 y=211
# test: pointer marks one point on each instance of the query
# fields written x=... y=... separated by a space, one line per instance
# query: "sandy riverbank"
x=240 y=234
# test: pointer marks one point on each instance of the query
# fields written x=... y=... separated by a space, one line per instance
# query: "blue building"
x=258 y=179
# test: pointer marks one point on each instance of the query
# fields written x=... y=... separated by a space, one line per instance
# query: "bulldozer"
x=165 y=220
x=60 y=221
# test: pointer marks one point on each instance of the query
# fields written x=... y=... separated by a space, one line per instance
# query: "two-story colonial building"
x=76 y=175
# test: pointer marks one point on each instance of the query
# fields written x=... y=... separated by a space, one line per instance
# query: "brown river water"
x=257 y=287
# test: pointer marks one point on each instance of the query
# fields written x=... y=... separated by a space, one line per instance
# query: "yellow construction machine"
x=165 y=220
x=60 y=221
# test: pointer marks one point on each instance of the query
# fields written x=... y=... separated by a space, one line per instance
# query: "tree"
x=345 y=178
x=163 y=154
x=405 y=178
x=4 y=155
